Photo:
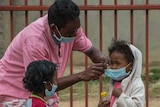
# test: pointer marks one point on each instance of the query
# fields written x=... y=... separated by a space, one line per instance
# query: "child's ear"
x=131 y=67
x=47 y=86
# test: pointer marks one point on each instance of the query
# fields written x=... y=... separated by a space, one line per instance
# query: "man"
x=52 y=37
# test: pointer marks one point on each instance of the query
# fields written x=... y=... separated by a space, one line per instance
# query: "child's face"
x=54 y=81
x=118 y=60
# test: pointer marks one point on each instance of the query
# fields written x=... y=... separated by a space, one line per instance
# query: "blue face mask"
x=64 y=39
x=50 y=93
x=117 y=74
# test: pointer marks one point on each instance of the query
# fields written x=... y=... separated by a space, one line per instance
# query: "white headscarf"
x=137 y=66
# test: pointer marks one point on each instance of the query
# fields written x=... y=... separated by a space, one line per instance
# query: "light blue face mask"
x=52 y=92
x=117 y=74
x=64 y=39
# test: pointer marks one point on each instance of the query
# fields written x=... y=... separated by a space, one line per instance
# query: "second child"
x=41 y=80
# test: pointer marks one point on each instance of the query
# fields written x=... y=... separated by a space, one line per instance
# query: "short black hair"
x=61 y=12
x=122 y=47
x=37 y=72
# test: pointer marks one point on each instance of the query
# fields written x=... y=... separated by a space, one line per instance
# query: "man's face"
x=69 y=30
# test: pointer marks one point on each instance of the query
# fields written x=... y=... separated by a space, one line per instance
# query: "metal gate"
x=100 y=6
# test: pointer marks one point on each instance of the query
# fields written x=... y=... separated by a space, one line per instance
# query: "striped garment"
x=13 y=103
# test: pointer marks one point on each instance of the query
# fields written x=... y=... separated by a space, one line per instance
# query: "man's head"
x=63 y=18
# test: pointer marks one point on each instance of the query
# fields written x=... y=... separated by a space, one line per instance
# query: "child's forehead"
x=115 y=55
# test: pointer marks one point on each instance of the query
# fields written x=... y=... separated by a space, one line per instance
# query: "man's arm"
x=97 y=56
x=91 y=73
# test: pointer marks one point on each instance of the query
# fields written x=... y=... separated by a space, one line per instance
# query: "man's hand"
x=93 y=72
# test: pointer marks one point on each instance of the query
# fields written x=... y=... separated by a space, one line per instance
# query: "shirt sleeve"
x=81 y=42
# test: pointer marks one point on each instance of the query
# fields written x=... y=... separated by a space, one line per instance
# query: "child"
x=41 y=80
x=127 y=88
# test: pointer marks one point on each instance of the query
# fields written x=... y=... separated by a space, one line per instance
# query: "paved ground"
x=93 y=103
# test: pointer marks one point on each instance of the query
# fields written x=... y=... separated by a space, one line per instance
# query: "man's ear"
x=52 y=27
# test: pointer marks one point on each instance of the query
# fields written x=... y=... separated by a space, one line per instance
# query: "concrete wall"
x=4 y=28
x=93 y=27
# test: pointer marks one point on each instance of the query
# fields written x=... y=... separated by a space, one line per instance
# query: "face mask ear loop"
x=50 y=83
x=58 y=31
x=59 y=45
x=130 y=70
x=128 y=65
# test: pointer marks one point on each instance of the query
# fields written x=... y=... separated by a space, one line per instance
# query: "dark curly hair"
x=37 y=72
x=122 y=47
x=61 y=12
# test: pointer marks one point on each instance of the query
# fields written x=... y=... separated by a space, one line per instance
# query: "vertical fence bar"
x=11 y=20
x=100 y=40
x=131 y=25
x=115 y=20
x=26 y=13
x=147 y=59
x=71 y=72
x=71 y=87
x=86 y=59
x=41 y=4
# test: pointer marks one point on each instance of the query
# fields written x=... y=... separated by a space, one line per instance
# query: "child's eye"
x=110 y=62
x=117 y=63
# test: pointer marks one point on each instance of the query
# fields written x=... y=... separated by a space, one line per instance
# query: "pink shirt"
x=116 y=85
x=34 y=42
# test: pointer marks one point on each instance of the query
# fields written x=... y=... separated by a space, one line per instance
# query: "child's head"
x=40 y=75
x=121 y=60
x=120 y=54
